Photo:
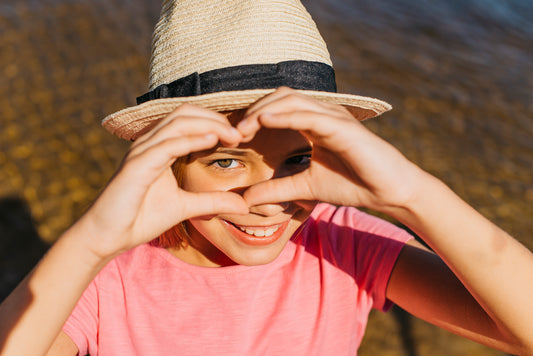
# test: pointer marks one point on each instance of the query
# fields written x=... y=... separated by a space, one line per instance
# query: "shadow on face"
x=272 y=153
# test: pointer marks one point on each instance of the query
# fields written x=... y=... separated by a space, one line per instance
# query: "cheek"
x=203 y=227
x=195 y=180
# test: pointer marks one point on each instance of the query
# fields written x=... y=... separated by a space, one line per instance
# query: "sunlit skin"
x=216 y=241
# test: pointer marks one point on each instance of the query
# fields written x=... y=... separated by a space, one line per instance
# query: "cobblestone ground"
x=64 y=65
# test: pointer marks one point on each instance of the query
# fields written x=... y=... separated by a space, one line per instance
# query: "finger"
x=324 y=130
x=184 y=112
x=307 y=205
x=286 y=99
x=283 y=100
x=250 y=124
x=278 y=190
x=191 y=126
x=187 y=109
x=156 y=158
x=214 y=203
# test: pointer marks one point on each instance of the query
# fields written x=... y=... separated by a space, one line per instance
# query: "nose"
x=271 y=209
x=260 y=174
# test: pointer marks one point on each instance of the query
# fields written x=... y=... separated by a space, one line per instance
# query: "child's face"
x=219 y=240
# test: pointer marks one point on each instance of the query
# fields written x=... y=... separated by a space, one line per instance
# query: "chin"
x=257 y=259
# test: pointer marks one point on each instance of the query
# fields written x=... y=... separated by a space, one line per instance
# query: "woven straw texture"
x=198 y=36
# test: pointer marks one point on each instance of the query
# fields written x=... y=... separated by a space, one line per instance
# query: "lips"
x=256 y=235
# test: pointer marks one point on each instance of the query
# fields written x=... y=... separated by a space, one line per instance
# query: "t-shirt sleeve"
x=376 y=255
x=82 y=325
x=367 y=247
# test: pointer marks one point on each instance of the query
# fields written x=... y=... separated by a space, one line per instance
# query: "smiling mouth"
x=257 y=235
x=257 y=231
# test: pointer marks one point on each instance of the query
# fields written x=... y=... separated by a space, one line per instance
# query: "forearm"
x=32 y=316
x=494 y=267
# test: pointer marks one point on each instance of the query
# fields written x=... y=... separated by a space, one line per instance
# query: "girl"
x=259 y=248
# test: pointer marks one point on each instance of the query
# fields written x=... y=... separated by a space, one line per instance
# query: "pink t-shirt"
x=314 y=299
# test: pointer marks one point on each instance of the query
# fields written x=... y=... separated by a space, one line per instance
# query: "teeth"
x=259 y=232
x=269 y=232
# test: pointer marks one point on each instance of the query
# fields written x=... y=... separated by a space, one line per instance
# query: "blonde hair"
x=176 y=236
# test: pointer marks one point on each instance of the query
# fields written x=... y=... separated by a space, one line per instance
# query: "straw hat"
x=225 y=55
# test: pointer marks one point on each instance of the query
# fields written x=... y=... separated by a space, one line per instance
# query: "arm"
x=141 y=202
x=494 y=267
x=63 y=346
x=351 y=166
x=37 y=309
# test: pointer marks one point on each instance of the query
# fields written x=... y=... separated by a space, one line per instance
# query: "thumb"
x=279 y=190
x=214 y=203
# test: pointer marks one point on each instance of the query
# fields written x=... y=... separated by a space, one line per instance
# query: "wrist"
x=90 y=242
x=432 y=208
x=415 y=197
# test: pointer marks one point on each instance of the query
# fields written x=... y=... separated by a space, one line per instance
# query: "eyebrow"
x=246 y=151
x=232 y=151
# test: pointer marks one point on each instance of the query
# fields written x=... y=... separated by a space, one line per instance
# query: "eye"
x=301 y=160
x=226 y=163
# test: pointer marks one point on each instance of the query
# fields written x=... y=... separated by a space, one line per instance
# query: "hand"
x=143 y=200
x=350 y=165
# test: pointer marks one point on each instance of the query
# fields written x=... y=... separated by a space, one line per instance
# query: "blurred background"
x=458 y=73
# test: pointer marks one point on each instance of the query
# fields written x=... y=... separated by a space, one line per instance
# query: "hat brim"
x=133 y=122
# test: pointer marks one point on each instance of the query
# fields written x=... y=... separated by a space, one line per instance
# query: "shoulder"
x=363 y=246
x=138 y=263
x=341 y=220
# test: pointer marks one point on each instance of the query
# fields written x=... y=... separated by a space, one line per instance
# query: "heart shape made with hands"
x=270 y=146
x=322 y=179
x=328 y=128
x=342 y=149
x=145 y=192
